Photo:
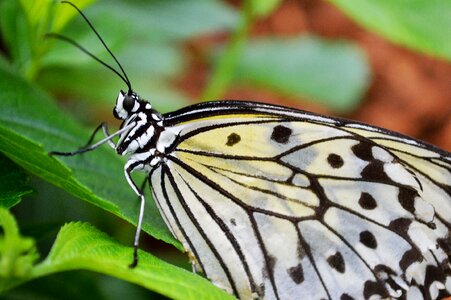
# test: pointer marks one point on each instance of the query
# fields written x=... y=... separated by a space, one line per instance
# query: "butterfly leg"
x=89 y=146
x=130 y=167
x=106 y=133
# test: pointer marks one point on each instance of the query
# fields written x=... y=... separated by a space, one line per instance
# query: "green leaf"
x=15 y=34
x=17 y=253
x=166 y=20
x=14 y=183
x=225 y=65
x=423 y=25
x=80 y=246
x=37 y=14
x=149 y=48
x=333 y=73
x=64 y=13
x=149 y=66
x=32 y=125
x=80 y=285
x=262 y=8
x=76 y=285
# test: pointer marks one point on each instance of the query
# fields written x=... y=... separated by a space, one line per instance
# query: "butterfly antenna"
x=74 y=43
x=124 y=77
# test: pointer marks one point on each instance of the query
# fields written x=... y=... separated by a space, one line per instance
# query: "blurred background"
x=386 y=63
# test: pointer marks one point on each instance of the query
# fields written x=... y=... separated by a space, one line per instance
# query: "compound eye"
x=128 y=103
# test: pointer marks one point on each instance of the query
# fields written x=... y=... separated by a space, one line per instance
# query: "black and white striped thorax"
x=146 y=141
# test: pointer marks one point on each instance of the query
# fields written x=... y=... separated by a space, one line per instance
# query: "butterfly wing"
x=276 y=203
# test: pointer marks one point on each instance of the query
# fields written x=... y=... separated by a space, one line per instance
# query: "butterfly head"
x=127 y=103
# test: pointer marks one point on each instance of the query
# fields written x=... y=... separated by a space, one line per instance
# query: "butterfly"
x=272 y=202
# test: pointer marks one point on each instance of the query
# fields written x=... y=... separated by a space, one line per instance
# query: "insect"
x=272 y=202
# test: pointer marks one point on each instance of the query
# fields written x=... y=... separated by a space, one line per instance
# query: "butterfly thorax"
x=146 y=139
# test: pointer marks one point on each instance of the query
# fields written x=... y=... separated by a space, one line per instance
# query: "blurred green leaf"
x=80 y=285
x=14 y=183
x=38 y=15
x=63 y=13
x=163 y=20
x=151 y=26
x=41 y=230
x=24 y=24
x=262 y=8
x=151 y=66
x=423 y=25
x=224 y=67
x=31 y=125
x=149 y=48
x=80 y=246
x=333 y=73
x=70 y=285
x=4 y=63
x=17 y=253
x=15 y=34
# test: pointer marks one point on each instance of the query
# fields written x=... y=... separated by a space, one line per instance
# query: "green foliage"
x=13 y=183
x=81 y=246
x=422 y=25
x=74 y=285
x=334 y=73
x=24 y=24
x=224 y=68
x=17 y=253
x=149 y=46
x=263 y=8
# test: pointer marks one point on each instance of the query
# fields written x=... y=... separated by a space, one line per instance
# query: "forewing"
x=281 y=207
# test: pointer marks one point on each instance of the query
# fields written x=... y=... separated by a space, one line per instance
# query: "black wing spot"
x=434 y=274
x=374 y=288
x=375 y=171
x=337 y=262
x=363 y=151
x=296 y=274
x=335 y=161
x=281 y=134
x=346 y=297
x=232 y=139
x=368 y=239
x=401 y=226
x=410 y=257
x=367 y=201
x=406 y=198
x=233 y=221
